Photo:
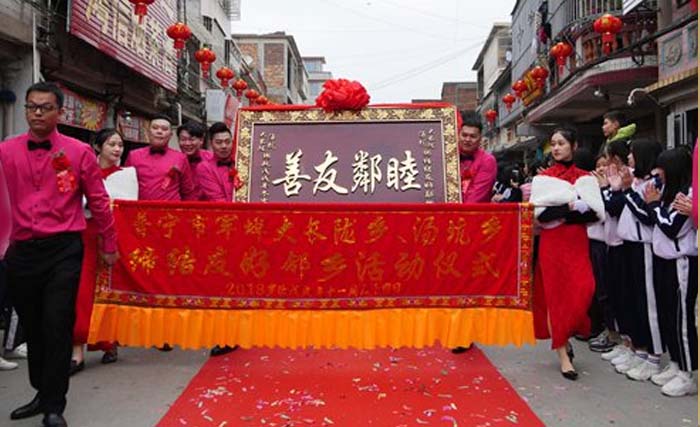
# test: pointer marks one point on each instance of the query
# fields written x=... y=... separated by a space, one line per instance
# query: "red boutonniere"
x=342 y=94
x=171 y=176
x=65 y=179
x=466 y=179
x=233 y=177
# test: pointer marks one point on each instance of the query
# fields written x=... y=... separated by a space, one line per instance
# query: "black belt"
x=49 y=240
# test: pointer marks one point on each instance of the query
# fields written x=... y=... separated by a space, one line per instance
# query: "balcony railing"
x=566 y=14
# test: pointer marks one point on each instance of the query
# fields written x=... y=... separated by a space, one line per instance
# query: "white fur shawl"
x=549 y=191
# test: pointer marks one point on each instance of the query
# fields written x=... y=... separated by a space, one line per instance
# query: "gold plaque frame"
x=446 y=116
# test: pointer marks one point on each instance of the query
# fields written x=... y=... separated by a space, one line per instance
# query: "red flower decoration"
x=233 y=177
x=342 y=94
x=173 y=172
x=60 y=162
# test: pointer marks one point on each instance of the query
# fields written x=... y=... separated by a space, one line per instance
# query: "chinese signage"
x=82 y=112
x=320 y=257
x=112 y=27
x=380 y=155
x=133 y=128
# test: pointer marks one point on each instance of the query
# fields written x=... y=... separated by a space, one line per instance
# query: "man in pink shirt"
x=477 y=167
x=218 y=175
x=47 y=174
x=163 y=173
x=218 y=180
x=191 y=138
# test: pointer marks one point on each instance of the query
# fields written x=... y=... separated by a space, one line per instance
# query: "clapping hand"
x=683 y=204
x=614 y=177
x=651 y=193
x=602 y=179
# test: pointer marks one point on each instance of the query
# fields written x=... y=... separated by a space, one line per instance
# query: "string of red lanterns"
x=491 y=116
x=540 y=74
x=240 y=85
x=225 y=74
x=561 y=52
x=519 y=87
x=509 y=100
x=607 y=26
x=205 y=57
x=179 y=32
x=141 y=8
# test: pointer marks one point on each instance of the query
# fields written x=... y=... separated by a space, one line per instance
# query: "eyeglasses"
x=43 y=108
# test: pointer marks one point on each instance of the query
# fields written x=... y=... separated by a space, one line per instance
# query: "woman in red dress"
x=120 y=183
x=566 y=198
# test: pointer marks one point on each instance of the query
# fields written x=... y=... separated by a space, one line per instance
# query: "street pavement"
x=138 y=389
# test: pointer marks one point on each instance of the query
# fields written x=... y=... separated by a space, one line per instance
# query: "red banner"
x=311 y=256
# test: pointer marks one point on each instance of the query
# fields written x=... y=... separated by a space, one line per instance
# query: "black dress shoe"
x=220 y=351
x=75 y=367
x=110 y=356
x=29 y=410
x=460 y=350
x=570 y=351
x=166 y=347
x=570 y=375
x=54 y=420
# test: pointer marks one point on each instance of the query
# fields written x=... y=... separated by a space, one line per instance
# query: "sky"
x=398 y=49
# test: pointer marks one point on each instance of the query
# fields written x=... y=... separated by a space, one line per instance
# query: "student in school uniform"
x=617 y=153
x=635 y=227
x=674 y=242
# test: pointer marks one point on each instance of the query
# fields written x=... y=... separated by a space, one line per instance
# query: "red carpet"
x=392 y=388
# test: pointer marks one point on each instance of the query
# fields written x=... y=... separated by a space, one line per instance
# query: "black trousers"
x=618 y=294
x=677 y=281
x=601 y=311
x=43 y=277
x=641 y=302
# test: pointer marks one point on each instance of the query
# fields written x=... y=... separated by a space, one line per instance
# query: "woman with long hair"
x=635 y=228
x=674 y=243
x=566 y=198
x=120 y=183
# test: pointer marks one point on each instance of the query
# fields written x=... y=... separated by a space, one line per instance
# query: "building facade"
x=461 y=94
x=317 y=76
x=278 y=57
x=493 y=60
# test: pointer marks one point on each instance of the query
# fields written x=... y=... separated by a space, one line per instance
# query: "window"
x=208 y=23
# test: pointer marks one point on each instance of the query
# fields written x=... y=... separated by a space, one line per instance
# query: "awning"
x=693 y=72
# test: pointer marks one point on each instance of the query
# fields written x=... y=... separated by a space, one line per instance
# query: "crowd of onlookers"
x=625 y=216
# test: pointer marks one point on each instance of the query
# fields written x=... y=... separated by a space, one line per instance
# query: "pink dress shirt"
x=216 y=183
x=197 y=162
x=483 y=171
x=39 y=208
x=695 y=185
x=5 y=215
x=165 y=176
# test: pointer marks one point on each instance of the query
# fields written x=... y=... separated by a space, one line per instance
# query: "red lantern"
x=539 y=74
x=608 y=26
x=179 y=32
x=240 y=85
x=561 y=52
x=520 y=87
x=205 y=57
x=491 y=116
x=252 y=95
x=262 y=100
x=224 y=74
x=508 y=99
x=141 y=8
